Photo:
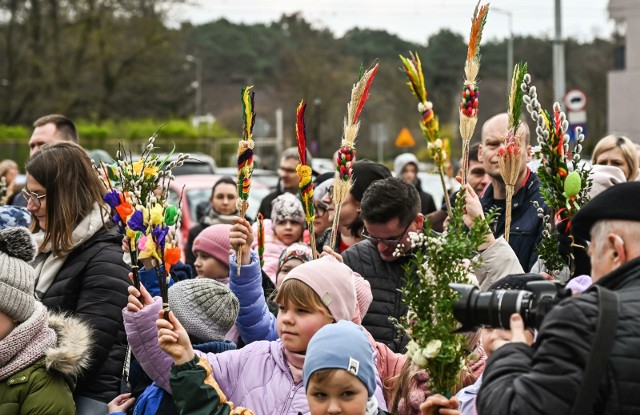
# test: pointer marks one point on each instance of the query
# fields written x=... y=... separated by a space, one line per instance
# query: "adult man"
x=288 y=178
x=526 y=226
x=547 y=377
x=51 y=129
x=405 y=166
x=477 y=177
x=390 y=210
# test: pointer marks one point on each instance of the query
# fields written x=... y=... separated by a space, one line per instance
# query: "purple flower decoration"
x=116 y=218
x=112 y=198
x=136 y=221
x=160 y=233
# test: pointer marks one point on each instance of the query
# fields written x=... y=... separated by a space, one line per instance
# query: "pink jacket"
x=273 y=247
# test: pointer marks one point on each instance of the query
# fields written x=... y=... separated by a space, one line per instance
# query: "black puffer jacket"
x=545 y=378
x=386 y=278
x=92 y=285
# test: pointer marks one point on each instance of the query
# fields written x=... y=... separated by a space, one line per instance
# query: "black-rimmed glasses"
x=387 y=241
x=34 y=197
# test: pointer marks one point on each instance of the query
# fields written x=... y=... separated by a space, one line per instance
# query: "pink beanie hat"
x=333 y=282
x=214 y=241
x=364 y=297
x=604 y=177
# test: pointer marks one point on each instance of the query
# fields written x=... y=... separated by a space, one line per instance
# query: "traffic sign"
x=575 y=100
x=405 y=139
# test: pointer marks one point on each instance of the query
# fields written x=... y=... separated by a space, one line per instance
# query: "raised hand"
x=241 y=234
x=173 y=339
x=138 y=299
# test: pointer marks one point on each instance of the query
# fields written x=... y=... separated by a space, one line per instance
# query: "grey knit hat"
x=206 y=308
x=287 y=206
x=16 y=275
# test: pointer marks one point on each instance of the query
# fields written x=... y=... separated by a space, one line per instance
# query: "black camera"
x=475 y=309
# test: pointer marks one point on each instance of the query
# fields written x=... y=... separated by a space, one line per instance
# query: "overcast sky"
x=413 y=20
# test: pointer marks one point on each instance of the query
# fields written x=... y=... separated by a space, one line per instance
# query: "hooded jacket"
x=427 y=205
x=46 y=386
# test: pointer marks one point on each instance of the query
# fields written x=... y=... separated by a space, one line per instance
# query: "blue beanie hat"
x=342 y=345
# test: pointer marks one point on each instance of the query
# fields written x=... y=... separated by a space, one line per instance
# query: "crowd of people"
x=284 y=332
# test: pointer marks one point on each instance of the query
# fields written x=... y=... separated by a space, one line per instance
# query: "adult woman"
x=617 y=151
x=79 y=268
x=222 y=207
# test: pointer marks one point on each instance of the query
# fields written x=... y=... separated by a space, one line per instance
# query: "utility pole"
x=509 y=15
x=559 y=86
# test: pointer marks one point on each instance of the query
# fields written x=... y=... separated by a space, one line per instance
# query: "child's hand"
x=173 y=339
x=326 y=251
x=438 y=404
x=121 y=403
x=138 y=299
x=241 y=234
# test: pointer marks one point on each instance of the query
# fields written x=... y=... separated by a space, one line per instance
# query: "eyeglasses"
x=322 y=209
x=389 y=242
x=35 y=198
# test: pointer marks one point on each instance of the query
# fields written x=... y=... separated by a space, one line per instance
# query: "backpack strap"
x=599 y=356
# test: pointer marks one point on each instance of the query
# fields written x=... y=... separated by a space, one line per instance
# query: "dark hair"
x=222 y=180
x=64 y=126
x=390 y=198
x=473 y=152
x=72 y=188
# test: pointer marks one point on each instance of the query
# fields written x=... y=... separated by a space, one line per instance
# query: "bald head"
x=498 y=124
x=494 y=131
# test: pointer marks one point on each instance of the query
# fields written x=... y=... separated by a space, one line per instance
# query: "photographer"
x=560 y=374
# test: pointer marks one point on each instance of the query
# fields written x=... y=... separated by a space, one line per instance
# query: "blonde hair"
x=72 y=189
x=301 y=295
x=627 y=147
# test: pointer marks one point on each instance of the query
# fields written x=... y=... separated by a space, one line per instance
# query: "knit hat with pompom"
x=17 y=277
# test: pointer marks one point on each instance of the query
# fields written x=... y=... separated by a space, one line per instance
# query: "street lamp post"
x=509 y=15
x=197 y=84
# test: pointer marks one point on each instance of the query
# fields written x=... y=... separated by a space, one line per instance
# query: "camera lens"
x=494 y=309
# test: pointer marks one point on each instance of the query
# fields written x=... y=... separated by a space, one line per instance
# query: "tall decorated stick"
x=470 y=91
x=565 y=182
x=347 y=152
x=261 y=239
x=304 y=174
x=509 y=156
x=245 y=157
x=429 y=121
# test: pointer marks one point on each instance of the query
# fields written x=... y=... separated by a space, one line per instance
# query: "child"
x=339 y=373
x=285 y=228
x=265 y=376
x=211 y=249
x=209 y=310
x=41 y=356
x=290 y=257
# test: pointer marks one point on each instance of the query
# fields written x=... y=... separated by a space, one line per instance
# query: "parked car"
x=198 y=163
x=197 y=189
x=322 y=165
x=269 y=178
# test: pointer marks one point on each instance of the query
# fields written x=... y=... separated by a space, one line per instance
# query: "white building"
x=624 y=82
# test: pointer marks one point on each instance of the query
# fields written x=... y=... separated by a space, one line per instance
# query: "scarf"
x=372 y=406
x=47 y=265
x=26 y=343
x=211 y=217
x=295 y=361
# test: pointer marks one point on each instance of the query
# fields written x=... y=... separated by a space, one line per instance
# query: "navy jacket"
x=526 y=226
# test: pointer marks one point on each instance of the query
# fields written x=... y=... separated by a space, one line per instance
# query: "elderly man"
x=550 y=377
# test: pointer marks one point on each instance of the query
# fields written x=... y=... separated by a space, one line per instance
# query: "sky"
x=412 y=20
